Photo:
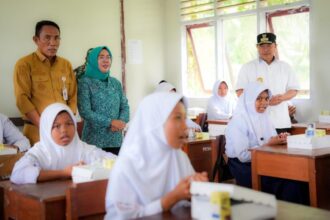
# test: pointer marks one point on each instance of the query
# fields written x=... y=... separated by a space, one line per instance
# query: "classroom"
x=154 y=40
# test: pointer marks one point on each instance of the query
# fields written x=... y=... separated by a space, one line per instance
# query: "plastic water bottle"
x=310 y=131
x=191 y=133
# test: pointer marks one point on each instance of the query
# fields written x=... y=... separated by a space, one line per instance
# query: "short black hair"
x=42 y=23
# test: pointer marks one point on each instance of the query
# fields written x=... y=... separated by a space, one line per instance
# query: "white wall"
x=320 y=68
x=90 y=25
x=84 y=24
x=308 y=110
x=144 y=21
x=173 y=43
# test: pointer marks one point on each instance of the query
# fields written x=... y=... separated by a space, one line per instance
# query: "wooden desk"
x=34 y=201
x=285 y=211
x=218 y=122
x=86 y=200
x=202 y=154
x=193 y=118
x=7 y=163
x=300 y=128
x=312 y=166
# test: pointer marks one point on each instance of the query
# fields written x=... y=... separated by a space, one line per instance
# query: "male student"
x=277 y=75
x=42 y=78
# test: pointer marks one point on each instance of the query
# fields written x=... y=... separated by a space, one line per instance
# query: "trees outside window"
x=220 y=36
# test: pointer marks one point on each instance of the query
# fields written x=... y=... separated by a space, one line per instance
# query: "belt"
x=28 y=122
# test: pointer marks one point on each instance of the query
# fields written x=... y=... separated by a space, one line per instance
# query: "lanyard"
x=64 y=89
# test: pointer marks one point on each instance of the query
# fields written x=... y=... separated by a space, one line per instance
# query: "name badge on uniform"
x=64 y=89
x=260 y=79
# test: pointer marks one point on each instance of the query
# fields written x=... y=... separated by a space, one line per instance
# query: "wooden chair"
x=201 y=120
x=80 y=126
x=86 y=200
x=221 y=170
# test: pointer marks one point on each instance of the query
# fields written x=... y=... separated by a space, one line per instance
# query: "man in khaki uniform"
x=42 y=78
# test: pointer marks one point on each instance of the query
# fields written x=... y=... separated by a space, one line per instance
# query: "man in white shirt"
x=10 y=135
x=276 y=75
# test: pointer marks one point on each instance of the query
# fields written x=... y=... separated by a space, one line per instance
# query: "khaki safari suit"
x=37 y=84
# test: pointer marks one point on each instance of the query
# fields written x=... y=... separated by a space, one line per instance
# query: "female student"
x=151 y=169
x=164 y=86
x=251 y=127
x=221 y=105
x=101 y=102
x=58 y=150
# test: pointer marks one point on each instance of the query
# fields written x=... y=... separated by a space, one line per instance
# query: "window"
x=220 y=36
x=238 y=35
x=201 y=62
x=196 y=9
x=292 y=28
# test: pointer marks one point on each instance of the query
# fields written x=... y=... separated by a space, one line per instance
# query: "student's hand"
x=202 y=177
x=68 y=170
x=292 y=110
x=180 y=192
x=117 y=125
x=197 y=130
x=284 y=135
x=277 y=140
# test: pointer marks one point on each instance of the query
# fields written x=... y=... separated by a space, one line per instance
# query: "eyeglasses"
x=104 y=58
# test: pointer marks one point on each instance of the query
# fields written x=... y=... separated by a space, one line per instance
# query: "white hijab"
x=164 y=87
x=220 y=107
x=259 y=123
x=168 y=87
x=146 y=162
x=52 y=156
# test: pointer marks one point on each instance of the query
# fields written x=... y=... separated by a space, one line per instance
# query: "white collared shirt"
x=279 y=77
x=248 y=128
x=9 y=134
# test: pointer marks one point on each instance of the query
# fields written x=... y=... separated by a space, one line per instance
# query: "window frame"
x=279 y=13
x=263 y=15
x=189 y=34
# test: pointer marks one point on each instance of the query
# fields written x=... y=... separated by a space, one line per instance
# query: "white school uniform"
x=248 y=129
x=47 y=155
x=147 y=167
x=219 y=107
x=278 y=77
x=9 y=134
